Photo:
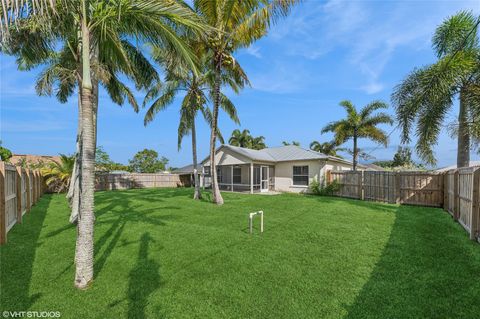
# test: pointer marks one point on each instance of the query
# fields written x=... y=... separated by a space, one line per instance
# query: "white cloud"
x=253 y=51
x=368 y=32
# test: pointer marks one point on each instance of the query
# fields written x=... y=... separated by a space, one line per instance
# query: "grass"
x=160 y=254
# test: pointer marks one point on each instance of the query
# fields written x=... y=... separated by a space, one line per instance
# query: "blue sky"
x=324 y=52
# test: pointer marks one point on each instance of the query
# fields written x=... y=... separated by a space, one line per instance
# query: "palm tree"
x=58 y=174
x=240 y=138
x=180 y=77
x=92 y=21
x=361 y=124
x=258 y=143
x=327 y=148
x=427 y=94
x=295 y=143
x=236 y=24
x=245 y=139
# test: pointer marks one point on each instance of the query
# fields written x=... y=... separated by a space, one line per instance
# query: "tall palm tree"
x=427 y=94
x=93 y=21
x=360 y=124
x=327 y=148
x=180 y=77
x=236 y=24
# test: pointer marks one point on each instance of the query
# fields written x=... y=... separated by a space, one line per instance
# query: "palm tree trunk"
x=355 y=151
x=196 y=194
x=86 y=218
x=73 y=194
x=463 y=149
x=217 y=196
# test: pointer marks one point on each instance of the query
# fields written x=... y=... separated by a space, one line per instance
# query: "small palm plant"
x=59 y=174
x=360 y=124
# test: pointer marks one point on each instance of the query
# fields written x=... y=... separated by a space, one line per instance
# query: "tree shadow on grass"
x=144 y=279
x=17 y=258
x=428 y=269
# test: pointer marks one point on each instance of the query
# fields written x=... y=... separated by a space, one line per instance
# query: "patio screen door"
x=264 y=179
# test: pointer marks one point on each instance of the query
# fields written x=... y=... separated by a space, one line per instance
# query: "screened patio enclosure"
x=250 y=177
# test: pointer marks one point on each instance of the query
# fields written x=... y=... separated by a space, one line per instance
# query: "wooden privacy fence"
x=413 y=188
x=20 y=189
x=137 y=180
x=457 y=191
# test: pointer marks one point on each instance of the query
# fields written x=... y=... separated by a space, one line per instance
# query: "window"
x=207 y=170
x=237 y=175
x=300 y=175
x=219 y=175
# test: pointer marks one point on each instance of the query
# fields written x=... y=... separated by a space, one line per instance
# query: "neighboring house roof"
x=281 y=154
x=444 y=169
x=34 y=159
x=373 y=167
x=186 y=169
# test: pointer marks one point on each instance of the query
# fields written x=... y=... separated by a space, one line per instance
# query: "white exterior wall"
x=284 y=175
x=333 y=166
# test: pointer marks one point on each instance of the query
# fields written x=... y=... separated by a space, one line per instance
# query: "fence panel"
x=24 y=192
x=450 y=191
x=10 y=196
x=136 y=180
x=421 y=188
x=19 y=190
x=350 y=183
x=379 y=186
x=465 y=197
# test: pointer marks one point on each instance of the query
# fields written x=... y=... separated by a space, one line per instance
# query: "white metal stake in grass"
x=250 y=220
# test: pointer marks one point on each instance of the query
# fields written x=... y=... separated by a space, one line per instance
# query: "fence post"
x=455 y=196
x=398 y=185
x=445 y=190
x=39 y=186
x=475 y=205
x=360 y=185
x=19 y=194
x=3 y=221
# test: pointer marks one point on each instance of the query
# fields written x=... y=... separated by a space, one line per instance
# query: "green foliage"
x=402 y=160
x=296 y=143
x=327 y=148
x=402 y=157
x=58 y=174
x=245 y=139
x=147 y=161
x=5 y=153
x=317 y=189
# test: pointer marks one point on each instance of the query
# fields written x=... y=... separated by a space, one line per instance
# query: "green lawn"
x=161 y=254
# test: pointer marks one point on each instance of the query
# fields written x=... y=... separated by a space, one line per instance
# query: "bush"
x=328 y=190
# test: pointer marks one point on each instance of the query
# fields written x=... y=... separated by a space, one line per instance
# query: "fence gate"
x=379 y=186
x=10 y=196
x=351 y=183
x=421 y=188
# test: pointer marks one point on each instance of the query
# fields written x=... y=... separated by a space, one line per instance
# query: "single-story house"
x=285 y=169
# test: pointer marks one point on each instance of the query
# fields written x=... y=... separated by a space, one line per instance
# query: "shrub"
x=328 y=190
